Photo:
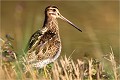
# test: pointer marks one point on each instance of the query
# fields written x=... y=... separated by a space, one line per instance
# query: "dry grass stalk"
x=67 y=69
x=90 y=69
x=64 y=69
x=111 y=58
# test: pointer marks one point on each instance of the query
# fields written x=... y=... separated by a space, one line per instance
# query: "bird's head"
x=52 y=11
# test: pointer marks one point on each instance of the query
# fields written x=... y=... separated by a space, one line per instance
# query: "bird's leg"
x=45 y=72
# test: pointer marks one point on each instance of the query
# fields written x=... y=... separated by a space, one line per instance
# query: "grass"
x=13 y=67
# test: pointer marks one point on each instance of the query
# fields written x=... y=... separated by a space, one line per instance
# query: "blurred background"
x=99 y=21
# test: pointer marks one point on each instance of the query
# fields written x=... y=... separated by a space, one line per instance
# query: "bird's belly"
x=47 y=50
x=42 y=63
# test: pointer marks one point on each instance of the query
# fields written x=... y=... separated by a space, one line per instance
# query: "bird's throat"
x=52 y=24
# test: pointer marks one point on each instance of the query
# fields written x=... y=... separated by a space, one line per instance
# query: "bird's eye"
x=54 y=10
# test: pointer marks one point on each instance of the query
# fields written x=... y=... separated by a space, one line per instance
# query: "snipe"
x=44 y=45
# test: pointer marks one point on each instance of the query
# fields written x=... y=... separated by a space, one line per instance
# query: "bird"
x=44 y=46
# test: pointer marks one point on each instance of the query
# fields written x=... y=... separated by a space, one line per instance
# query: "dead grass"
x=13 y=68
x=62 y=69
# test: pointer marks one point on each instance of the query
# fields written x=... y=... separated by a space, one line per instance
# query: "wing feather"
x=33 y=39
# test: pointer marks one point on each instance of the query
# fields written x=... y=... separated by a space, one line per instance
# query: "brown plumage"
x=44 y=45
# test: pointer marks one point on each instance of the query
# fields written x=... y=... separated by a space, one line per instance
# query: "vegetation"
x=99 y=21
x=14 y=67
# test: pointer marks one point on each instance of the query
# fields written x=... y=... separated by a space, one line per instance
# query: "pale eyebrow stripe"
x=52 y=8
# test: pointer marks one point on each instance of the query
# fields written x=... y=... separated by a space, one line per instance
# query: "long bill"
x=63 y=18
